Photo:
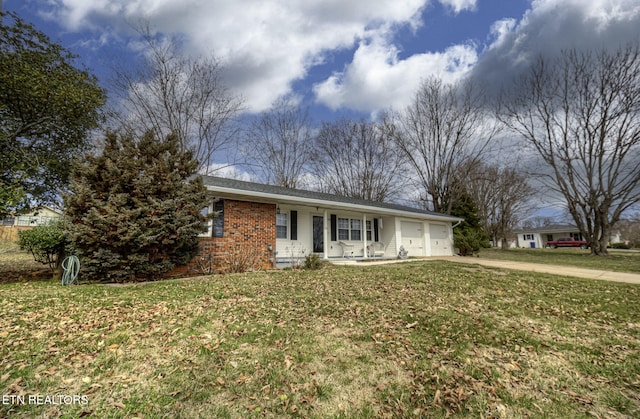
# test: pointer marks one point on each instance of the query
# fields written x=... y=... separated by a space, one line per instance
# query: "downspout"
x=453 y=247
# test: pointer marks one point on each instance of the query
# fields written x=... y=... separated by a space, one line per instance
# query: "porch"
x=282 y=263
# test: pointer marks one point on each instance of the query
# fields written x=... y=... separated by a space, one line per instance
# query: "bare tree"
x=445 y=129
x=180 y=95
x=502 y=196
x=279 y=143
x=358 y=159
x=537 y=222
x=581 y=114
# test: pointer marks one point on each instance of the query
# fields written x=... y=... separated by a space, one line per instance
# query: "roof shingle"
x=240 y=185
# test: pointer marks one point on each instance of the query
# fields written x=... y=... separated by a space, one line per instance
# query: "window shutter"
x=376 y=238
x=294 y=225
x=334 y=227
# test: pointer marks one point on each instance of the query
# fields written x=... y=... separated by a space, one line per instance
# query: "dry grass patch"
x=616 y=261
x=16 y=264
x=408 y=340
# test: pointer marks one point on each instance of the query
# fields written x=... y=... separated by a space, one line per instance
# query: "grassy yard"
x=617 y=261
x=408 y=340
x=16 y=264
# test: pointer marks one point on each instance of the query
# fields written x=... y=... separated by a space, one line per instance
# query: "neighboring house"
x=616 y=237
x=538 y=237
x=40 y=216
x=12 y=225
x=280 y=224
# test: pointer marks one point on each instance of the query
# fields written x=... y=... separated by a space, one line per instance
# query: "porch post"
x=325 y=236
x=364 y=236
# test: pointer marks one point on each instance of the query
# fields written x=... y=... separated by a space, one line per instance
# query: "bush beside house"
x=47 y=243
x=134 y=211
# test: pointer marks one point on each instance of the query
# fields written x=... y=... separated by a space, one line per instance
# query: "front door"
x=318 y=234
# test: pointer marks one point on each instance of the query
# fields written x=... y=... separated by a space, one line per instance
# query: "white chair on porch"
x=347 y=249
x=375 y=249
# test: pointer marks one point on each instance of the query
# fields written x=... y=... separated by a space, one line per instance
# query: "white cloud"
x=227 y=171
x=501 y=29
x=551 y=26
x=376 y=79
x=265 y=45
x=459 y=5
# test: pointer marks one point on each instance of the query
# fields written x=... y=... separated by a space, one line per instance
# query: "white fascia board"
x=320 y=203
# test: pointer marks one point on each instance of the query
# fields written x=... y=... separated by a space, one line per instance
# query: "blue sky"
x=353 y=57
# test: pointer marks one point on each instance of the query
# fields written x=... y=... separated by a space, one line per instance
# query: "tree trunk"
x=599 y=246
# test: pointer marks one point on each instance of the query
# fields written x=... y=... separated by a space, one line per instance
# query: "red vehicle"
x=567 y=242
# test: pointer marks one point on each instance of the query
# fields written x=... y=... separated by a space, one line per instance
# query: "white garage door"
x=412 y=238
x=440 y=242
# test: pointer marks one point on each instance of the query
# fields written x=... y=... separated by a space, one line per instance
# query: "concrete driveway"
x=550 y=269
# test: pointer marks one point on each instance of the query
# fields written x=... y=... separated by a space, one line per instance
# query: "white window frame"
x=206 y=211
x=346 y=229
x=285 y=225
x=343 y=226
x=353 y=229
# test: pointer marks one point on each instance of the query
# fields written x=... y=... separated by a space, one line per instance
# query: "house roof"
x=554 y=228
x=278 y=194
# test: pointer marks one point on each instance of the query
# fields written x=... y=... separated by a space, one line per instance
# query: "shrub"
x=48 y=244
x=620 y=246
x=135 y=210
x=242 y=259
x=468 y=241
x=312 y=262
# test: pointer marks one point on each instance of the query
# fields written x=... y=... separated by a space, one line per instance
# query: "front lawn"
x=617 y=261
x=16 y=264
x=418 y=339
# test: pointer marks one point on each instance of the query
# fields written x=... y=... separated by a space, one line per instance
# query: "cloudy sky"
x=339 y=56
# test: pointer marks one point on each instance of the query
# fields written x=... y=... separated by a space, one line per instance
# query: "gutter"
x=456 y=224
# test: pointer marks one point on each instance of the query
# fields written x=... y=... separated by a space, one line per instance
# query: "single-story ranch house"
x=42 y=215
x=538 y=237
x=281 y=224
x=10 y=226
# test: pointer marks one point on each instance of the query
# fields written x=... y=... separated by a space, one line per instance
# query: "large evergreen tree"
x=468 y=238
x=47 y=107
x=135 y=210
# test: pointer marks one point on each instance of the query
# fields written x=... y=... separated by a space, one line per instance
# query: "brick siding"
x=249 y=230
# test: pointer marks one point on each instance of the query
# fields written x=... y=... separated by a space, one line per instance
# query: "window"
x=218 y=220
x=356 y=229
x=281 y=226
x=343 y=229
x=528 y=236
x=369 y=234
x=205 y=212
x=349 y=229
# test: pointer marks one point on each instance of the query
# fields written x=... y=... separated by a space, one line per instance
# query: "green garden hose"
x=70 y=266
